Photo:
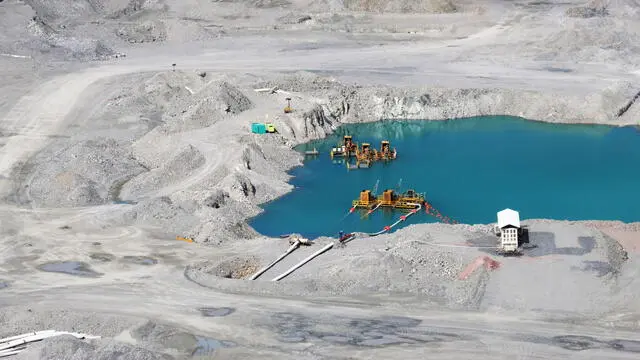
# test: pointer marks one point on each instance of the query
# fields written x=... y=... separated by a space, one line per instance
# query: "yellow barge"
x=364 y=154
x=389 y=198
x=347 y=149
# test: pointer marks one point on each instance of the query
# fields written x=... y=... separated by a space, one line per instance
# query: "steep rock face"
x=373 y=104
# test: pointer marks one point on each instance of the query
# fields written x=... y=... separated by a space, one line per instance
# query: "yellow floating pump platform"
x=347 y=149
x=389 y=198
x=350 y=149
x=365 y=155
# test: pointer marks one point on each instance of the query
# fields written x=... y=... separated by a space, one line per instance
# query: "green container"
x=258 y=128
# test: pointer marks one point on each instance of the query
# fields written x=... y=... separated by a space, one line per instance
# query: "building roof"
x=508 y=217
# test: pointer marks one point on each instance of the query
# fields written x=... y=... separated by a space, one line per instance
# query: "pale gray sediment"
x=108 y=152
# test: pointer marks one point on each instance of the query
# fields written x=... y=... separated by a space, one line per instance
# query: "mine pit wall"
x=359 y=105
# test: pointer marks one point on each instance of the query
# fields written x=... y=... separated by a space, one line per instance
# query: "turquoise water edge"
x=468 y=169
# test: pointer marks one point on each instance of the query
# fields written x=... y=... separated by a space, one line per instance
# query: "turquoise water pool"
x=469 y=170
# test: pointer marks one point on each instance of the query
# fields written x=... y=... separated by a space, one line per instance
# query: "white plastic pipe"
x=10 y=352
x=289 y=251
x=38 y=337
x=298 y=265
x=374 y=209
x=265 y=89
x=25 y=340
x=11 y=338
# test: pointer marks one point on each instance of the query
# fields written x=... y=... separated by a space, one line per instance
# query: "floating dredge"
x=363 y=154
x=409 y=200
x=346 y=150
x=389 y=198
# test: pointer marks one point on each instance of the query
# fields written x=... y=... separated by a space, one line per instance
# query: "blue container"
x=258 y=128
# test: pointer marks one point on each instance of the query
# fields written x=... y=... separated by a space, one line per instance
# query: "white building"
x=508 y=227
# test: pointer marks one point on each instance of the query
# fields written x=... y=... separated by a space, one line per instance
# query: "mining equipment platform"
x=389 y=198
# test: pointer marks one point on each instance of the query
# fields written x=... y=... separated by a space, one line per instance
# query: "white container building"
x=508 y=229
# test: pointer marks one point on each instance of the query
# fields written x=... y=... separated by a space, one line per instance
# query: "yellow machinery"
x=270 y=128
x=386 y=153
x=365 y=152
x=347 y=149
x=288 y=109
x=389 y=198
x=367 y=200
x=365 y=155
x=185 y=239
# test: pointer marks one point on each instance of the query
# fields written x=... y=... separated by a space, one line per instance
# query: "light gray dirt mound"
x=54 y=9
x=69 y=347
x=271 y=149
x=162 y=212
x=133 y=8
x=67 y=46
x=169 y=90
x=595 y=8
x=88 y=29
x=234 y=268
x=86 y=173
x=261 y=4
x=80 y=9
x=217 y=101
x=586 y=12
x=294 y=18
x=134 y=102
x=156 y=148
x=216 y=200
x=606 y=39
x=143 y=32
x=221 y=230
x=181 y=166
x=300 y=81
x=402 y=6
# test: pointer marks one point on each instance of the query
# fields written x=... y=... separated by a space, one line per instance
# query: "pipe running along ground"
x=289 y=251
x=301 y=263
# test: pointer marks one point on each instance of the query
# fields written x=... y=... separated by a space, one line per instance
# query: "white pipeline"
x=402 y=218
x=6 y=353
x=289 y=251
x=298 y=265
x=11 y=338
x=8 y=345
x=374 y=209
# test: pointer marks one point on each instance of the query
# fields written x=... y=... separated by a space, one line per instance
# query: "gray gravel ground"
x=126 y=123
